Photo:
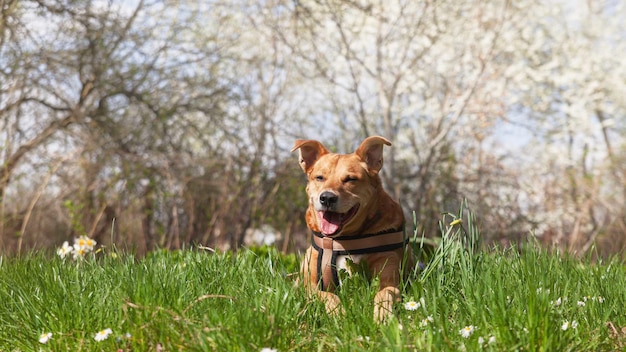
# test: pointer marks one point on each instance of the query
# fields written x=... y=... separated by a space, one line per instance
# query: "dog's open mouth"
x=331 y=222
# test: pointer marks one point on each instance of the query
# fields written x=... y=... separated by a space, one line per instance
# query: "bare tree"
x=179 y=128
x=121 y=91
x=565 y=86
x=404 y=70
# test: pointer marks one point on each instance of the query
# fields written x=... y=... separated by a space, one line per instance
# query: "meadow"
x=464 y=298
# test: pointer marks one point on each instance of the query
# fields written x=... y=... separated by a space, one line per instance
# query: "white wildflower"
x=467 y=331
x=82 y=245
x=566 y=325
x=412 y=305
x=45 y=337
x=65 y=250
x=103 y=334
x=426 y=321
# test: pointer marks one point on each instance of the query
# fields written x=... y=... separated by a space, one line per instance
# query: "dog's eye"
x=350 y=179
x=319 y=178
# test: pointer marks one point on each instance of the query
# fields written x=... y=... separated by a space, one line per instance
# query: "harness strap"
x=327 y=265
x=330 y=248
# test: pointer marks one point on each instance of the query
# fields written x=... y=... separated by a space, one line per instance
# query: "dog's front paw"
x=383 y=303
x=333 y=305
x=383 y=311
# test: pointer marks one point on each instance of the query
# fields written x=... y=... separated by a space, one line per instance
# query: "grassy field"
x=196 y=300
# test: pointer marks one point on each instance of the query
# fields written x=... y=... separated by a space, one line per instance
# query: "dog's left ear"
x=371 y=151
x=310 y=151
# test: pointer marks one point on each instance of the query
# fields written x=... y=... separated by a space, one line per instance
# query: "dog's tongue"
x=329 y=221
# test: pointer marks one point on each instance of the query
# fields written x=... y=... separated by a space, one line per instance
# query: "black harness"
x=328 y=249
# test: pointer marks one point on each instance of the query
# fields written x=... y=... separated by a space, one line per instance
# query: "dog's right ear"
x=310 y=152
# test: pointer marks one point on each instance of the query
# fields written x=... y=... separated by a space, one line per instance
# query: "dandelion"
x=412 y=305
x=103 y=334
x=64 y=250
x=467 y=331
x=45 y=337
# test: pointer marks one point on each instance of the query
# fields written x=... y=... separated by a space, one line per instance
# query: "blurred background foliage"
x=160 y=124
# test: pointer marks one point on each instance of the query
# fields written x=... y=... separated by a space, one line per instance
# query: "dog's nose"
x=328 y=199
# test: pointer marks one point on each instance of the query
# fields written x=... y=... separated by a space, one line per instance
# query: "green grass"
x=195 y=300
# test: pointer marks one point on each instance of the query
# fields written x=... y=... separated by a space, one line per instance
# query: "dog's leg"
x=309 y=278
x=386 y=269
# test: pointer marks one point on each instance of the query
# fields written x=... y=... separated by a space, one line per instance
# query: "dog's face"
x=340 y=186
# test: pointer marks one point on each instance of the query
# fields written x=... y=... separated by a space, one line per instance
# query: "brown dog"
x=352 y=218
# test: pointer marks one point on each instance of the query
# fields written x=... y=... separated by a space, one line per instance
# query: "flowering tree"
x=404 y=70
x=100 y=83
x=566 y=91
x=449 y=81
x=180 y=128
